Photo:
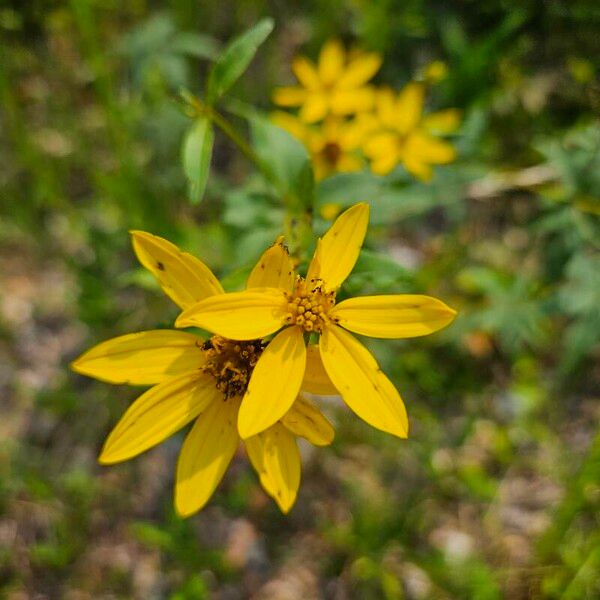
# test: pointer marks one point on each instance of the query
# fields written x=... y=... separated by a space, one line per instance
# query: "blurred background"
x=496 y=493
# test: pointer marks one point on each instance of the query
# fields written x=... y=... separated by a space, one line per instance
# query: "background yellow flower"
x=337 y=85
x=334 y=144
x=401 y=134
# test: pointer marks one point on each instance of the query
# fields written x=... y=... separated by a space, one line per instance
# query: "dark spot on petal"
x=160 y=266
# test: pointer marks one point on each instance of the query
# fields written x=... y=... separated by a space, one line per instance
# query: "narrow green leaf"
x=235 y=59
x=196 y=44
x=197 y=153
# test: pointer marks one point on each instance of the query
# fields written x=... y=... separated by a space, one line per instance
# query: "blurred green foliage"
x=496 y=493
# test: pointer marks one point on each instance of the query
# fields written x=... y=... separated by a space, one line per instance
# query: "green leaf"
x=285 y=159
x=375 y=263
x=196 y=44
x=389 y=200
x=346 y=189
x=377 y=271
x=235 y=59
x=197 y=152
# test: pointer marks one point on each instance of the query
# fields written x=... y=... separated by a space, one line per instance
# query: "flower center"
x=332 y=152
x=231 y=363
x=308 y=305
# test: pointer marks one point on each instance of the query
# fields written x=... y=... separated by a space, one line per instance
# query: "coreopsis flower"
x=337 y=85
x=333 y=145
x=293 y=308
x=402 y=134
x=202 y=381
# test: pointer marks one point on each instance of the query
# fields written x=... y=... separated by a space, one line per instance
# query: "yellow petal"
x=330 y=210
x=157 y=414
x=385 y=164
x=331 y=62
x=353 y=134
x=183 y=277
x=359 y=130
x=341 y=245
x=205 y=456
x=275 y=456
x=360 y=70
x=307 y=421
x=314 y=268
x=316 y=380
x=239 y=315
x=292 y=125
x=393 y=316
x=275 y=269
x=347 y=102
x=364 y=387
x=409 y=107
x=255 y=450
x=275 y=382
x=417 y=168
x=289 y=96
x=331 y=130
x=142 y=358
x=385 y=106
x=321 y=167
x=444 y=121
x=349 y=163
x=306 y=73
x=382 y=145
x=314 y=108
x=428 y=149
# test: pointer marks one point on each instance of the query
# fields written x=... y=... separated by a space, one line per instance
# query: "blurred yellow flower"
x=294 y=307
x=334 y=144
x=335 y=86
x=330 y=210
x=435 y=71
x=581 y=69
x=203 y=381
x=401 y=134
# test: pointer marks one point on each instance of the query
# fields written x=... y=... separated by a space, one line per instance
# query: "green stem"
x=298 y=232
x=230 y=132
x=298 y=220
x=226 y=127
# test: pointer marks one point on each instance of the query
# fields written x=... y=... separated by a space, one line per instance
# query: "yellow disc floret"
x=308 y=305
x=231 y=363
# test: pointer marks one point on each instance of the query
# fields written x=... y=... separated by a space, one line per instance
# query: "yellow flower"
x=203 y=380
x=335 y=86
x=294 y=307
x=435 y=71
x=333 y=145
x=400 y=133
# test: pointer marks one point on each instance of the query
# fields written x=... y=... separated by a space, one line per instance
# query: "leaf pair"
x=231 y=64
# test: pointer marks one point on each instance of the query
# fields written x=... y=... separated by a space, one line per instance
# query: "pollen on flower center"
x=231 y=363
x=308 y=305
